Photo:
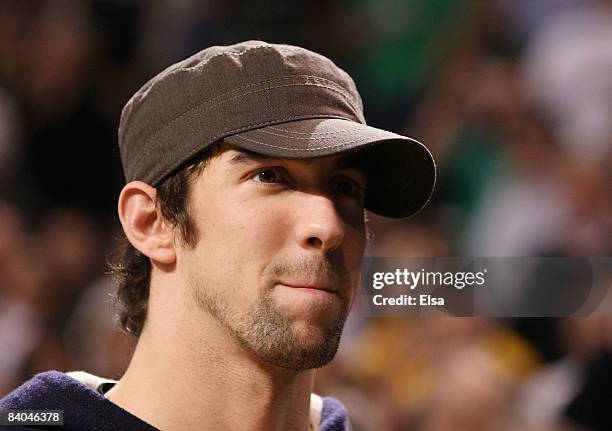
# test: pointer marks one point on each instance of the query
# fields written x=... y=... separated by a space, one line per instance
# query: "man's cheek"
x=355 y=250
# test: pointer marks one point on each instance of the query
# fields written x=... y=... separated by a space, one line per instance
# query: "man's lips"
x=308 y=286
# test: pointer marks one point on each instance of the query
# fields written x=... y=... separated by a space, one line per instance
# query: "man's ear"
x=143 y=223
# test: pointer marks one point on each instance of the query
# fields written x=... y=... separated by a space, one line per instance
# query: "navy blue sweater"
x=87 y=410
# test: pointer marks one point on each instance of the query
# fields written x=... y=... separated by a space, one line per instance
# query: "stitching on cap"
x=343 y=144
x=338 y=89
x=137 y=160
x=152 y=137
x=197 y=149
x=329 y=134
x=292 y=132
x=323 y=135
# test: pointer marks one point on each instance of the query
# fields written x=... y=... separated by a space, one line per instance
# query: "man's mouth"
x=324 y=287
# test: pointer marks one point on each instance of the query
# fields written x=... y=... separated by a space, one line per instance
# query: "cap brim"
x=401 y=171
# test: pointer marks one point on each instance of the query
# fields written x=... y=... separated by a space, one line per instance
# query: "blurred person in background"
x=576 y=388
x=20 y=288
x=42 y=279
x=91 y=336
x=567 y=70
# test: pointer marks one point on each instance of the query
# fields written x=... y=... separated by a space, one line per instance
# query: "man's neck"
x=183 y=377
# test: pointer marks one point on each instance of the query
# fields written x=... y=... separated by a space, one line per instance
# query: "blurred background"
x=513 y=97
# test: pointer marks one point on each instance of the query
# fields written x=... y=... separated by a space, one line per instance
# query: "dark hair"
x=131 y=269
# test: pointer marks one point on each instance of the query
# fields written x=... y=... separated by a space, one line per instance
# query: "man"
x=248 y=169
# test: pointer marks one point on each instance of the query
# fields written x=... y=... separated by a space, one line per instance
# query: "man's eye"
x=267 y=176
x=349 y=187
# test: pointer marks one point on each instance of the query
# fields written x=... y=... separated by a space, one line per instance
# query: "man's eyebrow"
x=248 y=157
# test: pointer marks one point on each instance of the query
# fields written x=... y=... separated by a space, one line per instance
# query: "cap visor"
x=401 y=171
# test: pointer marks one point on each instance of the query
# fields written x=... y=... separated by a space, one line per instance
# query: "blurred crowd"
x=513 y=97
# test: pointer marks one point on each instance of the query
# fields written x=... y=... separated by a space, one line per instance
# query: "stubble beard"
x=269 y=335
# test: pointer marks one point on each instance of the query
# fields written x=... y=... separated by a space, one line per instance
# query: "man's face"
x=279 y=250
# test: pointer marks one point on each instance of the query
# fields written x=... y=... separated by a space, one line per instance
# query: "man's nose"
x=320 y=226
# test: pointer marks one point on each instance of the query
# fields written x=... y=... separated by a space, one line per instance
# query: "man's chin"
x=298 y=346
x=303 y=356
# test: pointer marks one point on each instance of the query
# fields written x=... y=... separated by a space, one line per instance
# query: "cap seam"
x=340 y=90
x=331 y=135
x=343 y=144
x=153 y=136
x=214 y=101
x=177 y=68
x=309 y=134
x=291 y=132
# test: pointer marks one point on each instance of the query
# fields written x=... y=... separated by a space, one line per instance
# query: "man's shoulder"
x=83 y=407
x=50 y=390
x=36 y=392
